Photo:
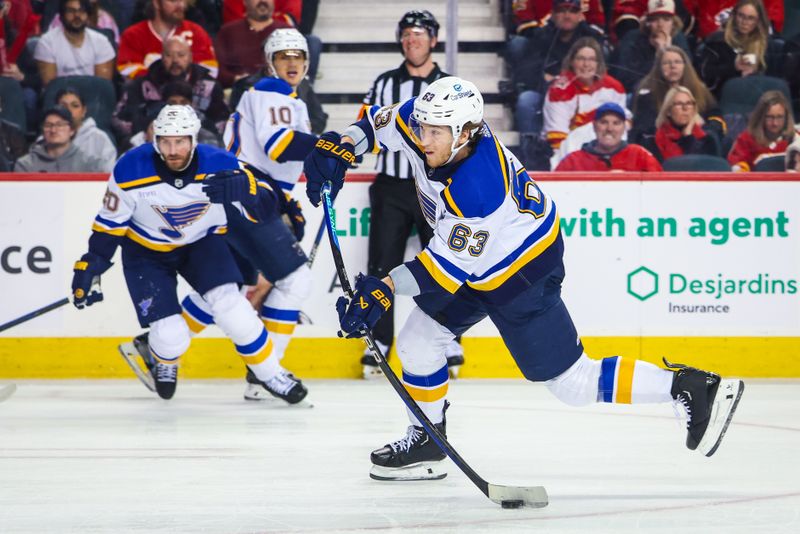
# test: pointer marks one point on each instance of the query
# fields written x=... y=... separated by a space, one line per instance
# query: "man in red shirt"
x=141 y=44
x=240 y=43
x=608 y=152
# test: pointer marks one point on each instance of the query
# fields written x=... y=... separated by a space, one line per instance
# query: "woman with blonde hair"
x=671 y=68
x=769 y=132
x=579 y=90
x=680 y=130
x=742 y=48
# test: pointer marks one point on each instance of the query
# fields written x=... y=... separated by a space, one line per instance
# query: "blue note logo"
x=179 y=217
x=144 y=306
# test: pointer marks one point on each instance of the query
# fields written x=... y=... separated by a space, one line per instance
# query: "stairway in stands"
x=359 y=44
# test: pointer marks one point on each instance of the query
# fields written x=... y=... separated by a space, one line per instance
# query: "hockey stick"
x=506 y=496
x=34 y=314
x=7 y=391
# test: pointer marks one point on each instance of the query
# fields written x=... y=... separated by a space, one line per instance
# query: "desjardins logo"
x=643 y=283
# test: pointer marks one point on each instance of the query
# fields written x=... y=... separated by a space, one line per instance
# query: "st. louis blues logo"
x=178 y=217
x=144 y=306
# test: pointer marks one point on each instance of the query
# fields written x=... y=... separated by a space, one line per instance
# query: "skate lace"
x=281 y=383
x=166 y=373
x=404 y=444
x=682 y=400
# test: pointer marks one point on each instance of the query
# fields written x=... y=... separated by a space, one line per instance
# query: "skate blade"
x=721 y=417
x=372 y=372
x=259 y=394
x=132 y=357
x=7 y=391
x=418 y=471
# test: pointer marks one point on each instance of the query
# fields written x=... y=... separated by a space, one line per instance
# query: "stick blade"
x=7 y=391
x=533 y=496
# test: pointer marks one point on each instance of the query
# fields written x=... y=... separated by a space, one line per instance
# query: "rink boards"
x=703 y=269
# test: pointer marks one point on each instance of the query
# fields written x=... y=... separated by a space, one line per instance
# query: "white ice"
x=106 y=456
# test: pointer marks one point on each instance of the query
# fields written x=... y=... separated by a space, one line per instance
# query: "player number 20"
x=460 y=239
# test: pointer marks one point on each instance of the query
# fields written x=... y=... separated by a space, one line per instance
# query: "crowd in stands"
x=82 y=80
x=714 y=80
x=712 y=85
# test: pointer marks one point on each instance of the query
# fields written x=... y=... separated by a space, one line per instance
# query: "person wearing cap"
x=541 y=60
x=176 y=64
x=394 y=208
x=56 y=152
x=635 y=54
x=608 y=152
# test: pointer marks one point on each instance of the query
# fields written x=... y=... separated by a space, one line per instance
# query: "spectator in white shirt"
x=74 y=49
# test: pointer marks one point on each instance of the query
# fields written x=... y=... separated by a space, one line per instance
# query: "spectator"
x=769 y=132
x=742 y=48
x=671 y=68
x=543 y=58
x=635 y=54
x=711 y=15
x=142 y=43
x=176 y=65
x=581 y=88
x=56 y=152
x=680 y=128
x=626 y=16
x=17 y=22
x=74 y=49
x=147 y=135
x=609 y=152
x=12 y=144
x=791 y=68
x=793 y=155
x=99 y=19
x=88 y=137
x=179 y=93
x=240 y=43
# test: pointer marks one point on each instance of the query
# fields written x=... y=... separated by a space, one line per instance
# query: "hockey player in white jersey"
x=270 y=131
x=156 y=210
x=497 y=252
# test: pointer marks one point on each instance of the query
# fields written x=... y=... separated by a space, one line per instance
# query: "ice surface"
x=107 y=456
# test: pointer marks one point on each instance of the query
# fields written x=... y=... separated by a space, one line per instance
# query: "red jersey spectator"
x=712 y=14
x=681 y=129
x=609 y=152
x=235 y=10
x=19 y=17
x=142 y=43
x=531 y=14
x=240 y=43
x=581 y=88
x=769 y=132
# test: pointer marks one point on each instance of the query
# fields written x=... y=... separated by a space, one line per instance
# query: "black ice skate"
x=165 y=376
x=369 y=364
x=283 y=385
x=414 y=457
x=710 y=403
x=137 y=355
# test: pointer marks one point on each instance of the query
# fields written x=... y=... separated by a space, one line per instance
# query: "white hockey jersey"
x=494 y=228
x=271 y=131
x=139 y=205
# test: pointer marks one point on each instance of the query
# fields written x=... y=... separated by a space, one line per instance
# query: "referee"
x=393 y=199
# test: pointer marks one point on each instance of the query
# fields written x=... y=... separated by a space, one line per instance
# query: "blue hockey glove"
x=295 y=215
x=86 y=280
x=371 y=299
x=234 y=185
x=328 y=162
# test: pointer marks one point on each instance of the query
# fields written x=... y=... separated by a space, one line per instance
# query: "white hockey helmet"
x=453 y=102
x=285 y=39
x=176 y=121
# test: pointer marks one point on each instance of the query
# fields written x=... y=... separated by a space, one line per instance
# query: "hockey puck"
x=511 y=504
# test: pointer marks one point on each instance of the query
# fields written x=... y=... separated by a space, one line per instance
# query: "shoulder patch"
x=274 y=85
x=480 y=185
x=135 y=164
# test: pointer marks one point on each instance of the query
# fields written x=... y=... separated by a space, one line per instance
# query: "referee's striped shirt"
x=389 y=88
